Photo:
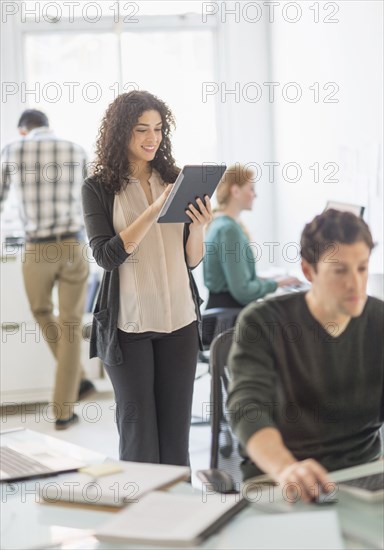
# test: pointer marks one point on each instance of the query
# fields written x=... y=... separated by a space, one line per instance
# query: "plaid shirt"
x=48 y=174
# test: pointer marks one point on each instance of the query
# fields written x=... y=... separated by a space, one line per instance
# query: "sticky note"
x=99 y=470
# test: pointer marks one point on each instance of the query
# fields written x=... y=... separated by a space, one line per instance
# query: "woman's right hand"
x=134 y=233
x=157 y=205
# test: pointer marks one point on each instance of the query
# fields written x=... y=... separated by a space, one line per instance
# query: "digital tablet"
x=192 y=182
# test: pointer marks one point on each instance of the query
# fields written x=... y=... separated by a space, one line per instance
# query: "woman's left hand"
x=200 y=218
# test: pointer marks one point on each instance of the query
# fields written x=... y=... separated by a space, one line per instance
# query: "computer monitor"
x=356 y=209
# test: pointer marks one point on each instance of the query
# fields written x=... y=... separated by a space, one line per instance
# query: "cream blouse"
x=155 y=294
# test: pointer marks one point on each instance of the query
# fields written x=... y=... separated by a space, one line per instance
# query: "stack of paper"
x=123 y=483
x=171 y=519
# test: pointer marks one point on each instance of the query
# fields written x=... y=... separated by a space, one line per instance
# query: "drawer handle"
x=8 y=258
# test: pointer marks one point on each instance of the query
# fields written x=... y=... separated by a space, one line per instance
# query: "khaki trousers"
x=65 y=263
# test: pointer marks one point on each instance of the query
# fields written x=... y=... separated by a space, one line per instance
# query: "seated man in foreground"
x=307 y=369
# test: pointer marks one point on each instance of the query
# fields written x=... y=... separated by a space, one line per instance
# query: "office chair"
x=214 y=322
x=224 y=444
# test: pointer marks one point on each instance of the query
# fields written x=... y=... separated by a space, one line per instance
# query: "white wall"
x=246 y=125
x=348 y=133
x=11 y=74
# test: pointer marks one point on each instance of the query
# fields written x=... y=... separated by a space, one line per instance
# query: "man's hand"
x=303 y=479
x=297 y=479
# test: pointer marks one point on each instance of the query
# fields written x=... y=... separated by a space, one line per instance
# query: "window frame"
x=160 y=23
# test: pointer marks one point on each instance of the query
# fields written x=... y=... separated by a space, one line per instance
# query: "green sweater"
x=229 y=263
x=324 y=394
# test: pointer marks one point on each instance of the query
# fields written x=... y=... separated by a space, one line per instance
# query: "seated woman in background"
x=229 y=265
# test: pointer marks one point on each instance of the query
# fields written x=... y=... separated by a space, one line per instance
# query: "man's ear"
x=23 y=131
x=307 y=269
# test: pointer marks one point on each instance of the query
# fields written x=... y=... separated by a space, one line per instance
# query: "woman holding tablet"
x=146 y=319
x=229 y=272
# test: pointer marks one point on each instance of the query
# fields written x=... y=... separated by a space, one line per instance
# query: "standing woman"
x=146 y=319
x=229 y=266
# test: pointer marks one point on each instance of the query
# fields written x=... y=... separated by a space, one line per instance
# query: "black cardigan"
x=109 y=253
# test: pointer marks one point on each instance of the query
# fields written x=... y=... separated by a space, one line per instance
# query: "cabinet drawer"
x=26 y=361
x=14 y=305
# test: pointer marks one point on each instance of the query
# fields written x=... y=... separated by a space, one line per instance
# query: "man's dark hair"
x=31 y=118
x=330 y=227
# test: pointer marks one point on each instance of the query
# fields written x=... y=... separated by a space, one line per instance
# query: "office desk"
x=29 y=524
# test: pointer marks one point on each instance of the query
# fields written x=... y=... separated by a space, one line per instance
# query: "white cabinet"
x=27 y=366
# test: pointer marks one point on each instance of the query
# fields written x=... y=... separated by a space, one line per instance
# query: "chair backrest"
x=216 y=321
x=224 y=444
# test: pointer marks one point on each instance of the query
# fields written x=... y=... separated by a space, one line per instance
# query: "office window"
x=148 y=7
x=73 y=74
x=173 y=65
x=72 y=70
x=48 y=10
x=45 y=10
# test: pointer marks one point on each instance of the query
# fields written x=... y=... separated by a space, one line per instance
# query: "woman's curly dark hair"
x=112 y=166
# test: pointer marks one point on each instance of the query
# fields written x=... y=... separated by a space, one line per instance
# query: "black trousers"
x=153 y=391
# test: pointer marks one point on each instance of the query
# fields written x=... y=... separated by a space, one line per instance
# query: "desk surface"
x=27 y=523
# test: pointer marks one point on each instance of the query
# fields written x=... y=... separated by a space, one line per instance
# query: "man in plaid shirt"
x=47 y=173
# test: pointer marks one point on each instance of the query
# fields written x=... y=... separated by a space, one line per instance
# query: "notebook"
x=171 y=519
x=116 y=487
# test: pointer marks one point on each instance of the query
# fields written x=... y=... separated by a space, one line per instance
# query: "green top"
x=323 y=393
x=229 y=263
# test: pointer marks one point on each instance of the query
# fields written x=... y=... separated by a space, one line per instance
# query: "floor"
x=96 y=429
